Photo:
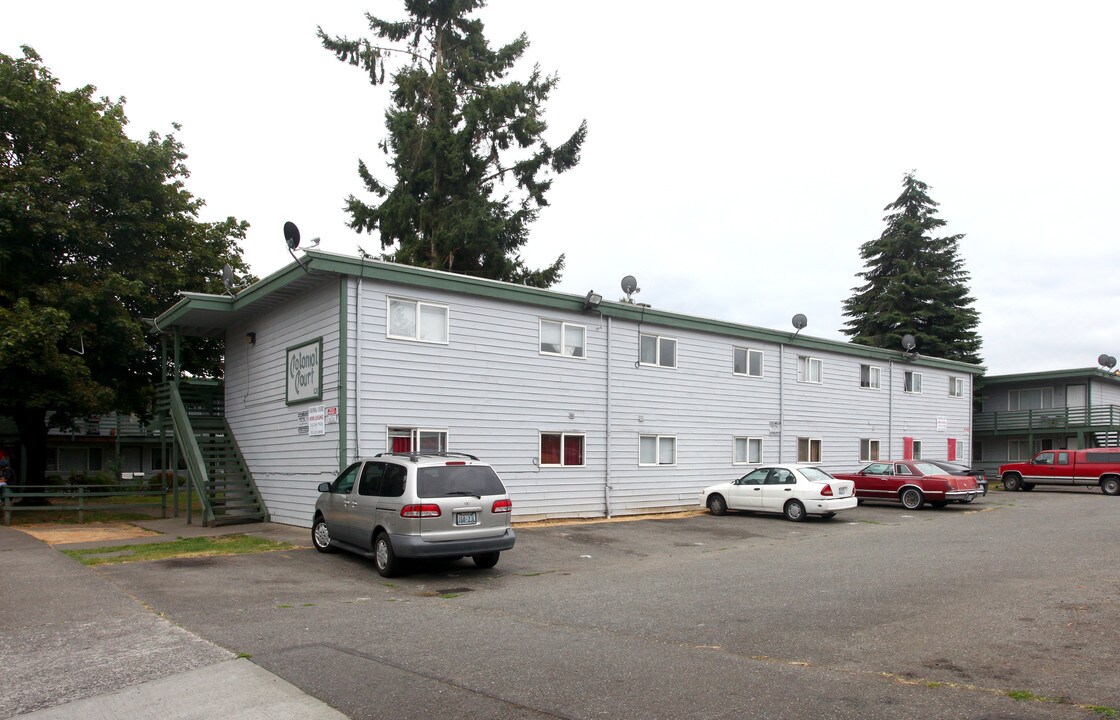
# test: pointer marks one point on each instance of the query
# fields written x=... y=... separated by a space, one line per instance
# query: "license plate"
x=843 y=491
x=466 y=518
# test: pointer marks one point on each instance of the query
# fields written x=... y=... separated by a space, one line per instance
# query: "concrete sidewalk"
x=74 y=645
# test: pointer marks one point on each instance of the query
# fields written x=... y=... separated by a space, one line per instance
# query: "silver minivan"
x=415 y=505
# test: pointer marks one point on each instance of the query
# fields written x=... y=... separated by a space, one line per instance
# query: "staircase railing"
x=192 y=454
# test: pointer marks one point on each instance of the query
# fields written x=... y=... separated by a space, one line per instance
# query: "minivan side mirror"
x=324 y=487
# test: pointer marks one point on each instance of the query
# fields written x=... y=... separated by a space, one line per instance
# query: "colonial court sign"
x=304 y=371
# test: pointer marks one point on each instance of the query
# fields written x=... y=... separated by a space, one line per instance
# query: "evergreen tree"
x=915 y=283
x=471 y=165
x=96 y=233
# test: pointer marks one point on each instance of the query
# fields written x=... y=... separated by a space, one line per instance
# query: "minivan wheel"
x=383 y=556
x=321 y=536
x=1110 y=485
x=912 y=499
x=486 y=560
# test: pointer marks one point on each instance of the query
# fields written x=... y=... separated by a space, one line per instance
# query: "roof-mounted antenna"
x=230 y=281
x=799 y=322
x=630 y=287
x=908 y=347
x=291 y=238
x=1106 y=360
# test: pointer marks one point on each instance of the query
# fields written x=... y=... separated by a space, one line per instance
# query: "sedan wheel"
x=795 y=511
x=321 y=536
x=912 y=499
x=717 y=505
x=1110 y=486
x=384 y=557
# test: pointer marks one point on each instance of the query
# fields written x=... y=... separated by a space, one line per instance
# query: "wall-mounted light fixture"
x=251 y=338
x=592 y=300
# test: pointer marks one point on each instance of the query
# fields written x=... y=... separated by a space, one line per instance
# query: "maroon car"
x=911 y=482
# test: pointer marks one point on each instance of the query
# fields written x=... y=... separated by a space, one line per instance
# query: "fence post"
x=163 y=500
x=7 y=508
x=81 y=503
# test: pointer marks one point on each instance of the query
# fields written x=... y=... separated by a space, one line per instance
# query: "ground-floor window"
x=748 y=450
x=657 y=450
x=1018 y=450
x=809 y=450
x=403 y=439
x=868 y=449
x=561 y=449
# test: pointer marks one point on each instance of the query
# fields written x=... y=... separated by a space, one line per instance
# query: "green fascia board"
x=317 y=261
x=1050 y=376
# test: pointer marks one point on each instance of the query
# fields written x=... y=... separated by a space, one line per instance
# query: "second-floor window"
x=561 y=338
x=912 y=382
x=956 y=387
x=868 y=449
x=1033 y=399
x=869 y=377
x=811 y=370
x=748 y=362
x=416 y=320
x=809 y=450
x=660 y=351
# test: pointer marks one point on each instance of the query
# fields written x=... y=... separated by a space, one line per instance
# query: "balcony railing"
x=1048 y=419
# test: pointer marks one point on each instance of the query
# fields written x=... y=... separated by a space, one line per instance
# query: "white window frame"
x=1045 y=398
x=418 y=307
x=657 y=340
x=956 y=386
x=564 y=328
x=865 y=450
x=563 y=436
x=874 y=377
x=917 y=449
x=749 y=441
x=657 y=440
x=748 y=354
x=810 y=443
x=912 y=382
x=415 y=435
x=806 y=364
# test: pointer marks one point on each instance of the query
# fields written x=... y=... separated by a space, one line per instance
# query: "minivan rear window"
x=444 y=480
x=1102 y=457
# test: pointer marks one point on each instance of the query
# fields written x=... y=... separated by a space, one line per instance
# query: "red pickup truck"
x=1096 y=466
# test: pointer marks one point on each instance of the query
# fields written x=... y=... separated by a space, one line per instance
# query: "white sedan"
x=793 y=490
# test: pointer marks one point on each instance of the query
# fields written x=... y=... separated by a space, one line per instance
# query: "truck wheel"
x=1026 y=486
x=912 y=498
x=1011 y=482
x=1110 y=485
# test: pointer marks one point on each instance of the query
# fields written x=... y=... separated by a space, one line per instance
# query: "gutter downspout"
x=781 y=399
x=607 y=484
x=358 y=368
x=343 y=374
x=890 y=409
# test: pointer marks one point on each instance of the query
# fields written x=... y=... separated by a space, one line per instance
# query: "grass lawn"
x=181 y=548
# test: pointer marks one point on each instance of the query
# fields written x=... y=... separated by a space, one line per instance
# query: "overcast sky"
x=738 y=153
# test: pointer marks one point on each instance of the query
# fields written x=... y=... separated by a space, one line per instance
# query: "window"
x=1018 y=450
x=912 y=382
x=417 y=440
x=415 y=320
x=810 y=369
x=370 y=483
x=1036 y=399
x=917 y=450
x=868 y=449
x=748 y=450
x=561 y=338
x=52 y=459
x=344 y=483
x=956 y=387
x=657 y=350
x=869 y=377
x=657 y=450
x=977 y=451
x=808 y=450
x=748 y=362
x=561 y=449
x=165 y=463
x=95 y=463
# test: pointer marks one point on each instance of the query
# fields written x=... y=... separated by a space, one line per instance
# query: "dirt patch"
x=88 y=532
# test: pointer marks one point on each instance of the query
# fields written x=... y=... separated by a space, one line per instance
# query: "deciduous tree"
x=467 y=146
x=96 y=232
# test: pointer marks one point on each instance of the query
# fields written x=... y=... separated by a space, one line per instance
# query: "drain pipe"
x=890 y=409
x=358 y=369
x=607 y=485
x=781 y=399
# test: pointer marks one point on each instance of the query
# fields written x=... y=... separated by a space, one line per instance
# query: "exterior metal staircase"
x=215 y=465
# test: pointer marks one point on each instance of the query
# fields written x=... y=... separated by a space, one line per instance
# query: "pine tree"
x=915 y=283
x=467 y=149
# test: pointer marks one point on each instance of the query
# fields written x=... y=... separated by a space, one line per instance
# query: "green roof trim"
x=1051 y=375
x=319 y=262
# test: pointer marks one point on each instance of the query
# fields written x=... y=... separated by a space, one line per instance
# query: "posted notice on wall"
x=317 y=420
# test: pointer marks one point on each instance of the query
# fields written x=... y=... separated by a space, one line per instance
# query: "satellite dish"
x=630 y=285
x=800 y=321
x=1106 y=360
x=1111 y=362
x=227 y=277
x=908 y=342
x=291 y=235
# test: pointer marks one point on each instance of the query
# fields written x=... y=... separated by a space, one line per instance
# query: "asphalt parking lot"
x=879 y=613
